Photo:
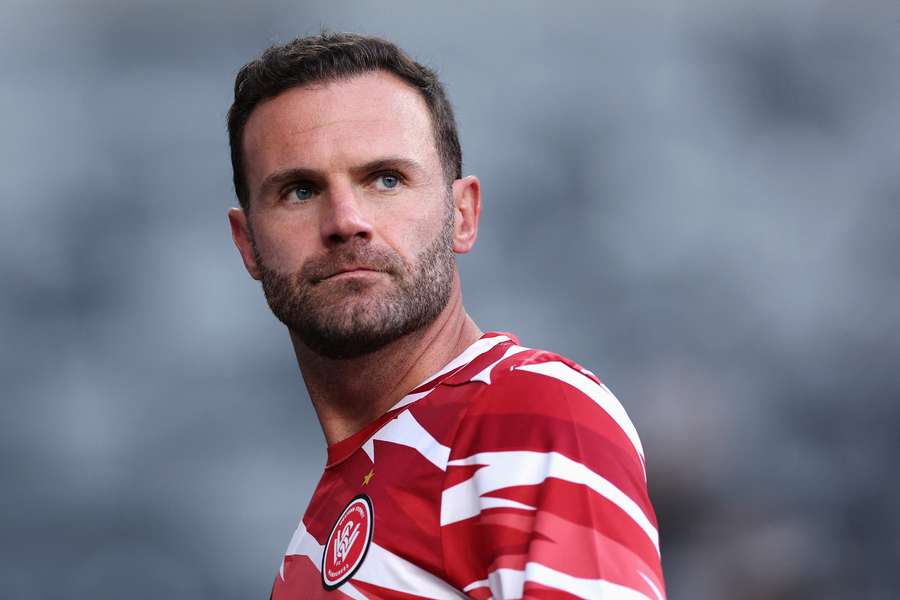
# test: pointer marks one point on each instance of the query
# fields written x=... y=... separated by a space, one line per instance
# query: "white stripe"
x=304 y=544
x=485 y=374
x=479 y=347
x=406 y=431
x=506 y=583
x=599 y=393
x=589 y=373
x=652 y=585
x=468 y=355
x=510 y=583
x=516 y=468
x=491 y=502
x=383 y=568
x=410 y=398
x=369 y=448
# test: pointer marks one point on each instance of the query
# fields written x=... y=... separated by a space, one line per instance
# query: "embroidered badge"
x=348 y=542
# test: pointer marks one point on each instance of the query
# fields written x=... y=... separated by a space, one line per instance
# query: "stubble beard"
x=354 y=317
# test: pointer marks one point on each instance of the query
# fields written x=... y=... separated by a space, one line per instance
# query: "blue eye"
x=303 y=192
x=387 y=181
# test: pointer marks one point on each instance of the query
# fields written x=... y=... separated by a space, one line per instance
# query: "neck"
x=348 y=394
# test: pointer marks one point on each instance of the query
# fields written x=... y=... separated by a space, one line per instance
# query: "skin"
x=321 y=164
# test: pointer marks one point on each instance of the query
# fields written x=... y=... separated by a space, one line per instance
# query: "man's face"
x=351 y=219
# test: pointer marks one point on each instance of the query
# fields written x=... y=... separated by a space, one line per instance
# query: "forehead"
x=346 y=121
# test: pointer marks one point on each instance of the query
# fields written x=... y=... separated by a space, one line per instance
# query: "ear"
x=240 y=233
x=466 y=209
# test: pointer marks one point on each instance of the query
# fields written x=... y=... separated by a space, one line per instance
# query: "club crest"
x=348 y=542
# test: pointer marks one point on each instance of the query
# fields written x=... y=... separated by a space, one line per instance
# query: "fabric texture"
x=511 y=473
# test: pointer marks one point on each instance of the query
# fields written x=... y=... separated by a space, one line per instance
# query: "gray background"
x=698 y=202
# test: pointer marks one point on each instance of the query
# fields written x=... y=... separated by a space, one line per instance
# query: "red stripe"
x=475 y=367
x=521 y=393
x=302 y=579
x=341 y=451
x=515 y=433
x=582 y=508
x=600 y=542
x=482 y=593
x=458 y=474
x=376 y=591
x=407 y=521
x=537 y=591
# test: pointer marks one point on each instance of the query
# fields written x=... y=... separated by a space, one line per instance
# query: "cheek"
x=417 y=234
x=282 y=248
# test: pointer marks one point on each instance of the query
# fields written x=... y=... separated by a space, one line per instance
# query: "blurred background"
x=701 y=203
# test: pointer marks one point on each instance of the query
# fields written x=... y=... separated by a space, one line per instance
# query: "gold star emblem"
x=368 y=477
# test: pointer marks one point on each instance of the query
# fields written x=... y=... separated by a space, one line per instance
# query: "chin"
x=348 y=342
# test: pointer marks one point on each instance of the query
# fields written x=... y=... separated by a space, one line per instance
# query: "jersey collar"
x=341 y=451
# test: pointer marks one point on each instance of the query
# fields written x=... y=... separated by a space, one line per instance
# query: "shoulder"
x=538 y=400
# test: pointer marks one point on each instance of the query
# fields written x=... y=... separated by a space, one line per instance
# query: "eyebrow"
x=282 y=177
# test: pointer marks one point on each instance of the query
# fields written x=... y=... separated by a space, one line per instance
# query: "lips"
x=361 y=256
x=350 y=269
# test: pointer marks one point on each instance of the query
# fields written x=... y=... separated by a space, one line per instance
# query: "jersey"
x=511 y=473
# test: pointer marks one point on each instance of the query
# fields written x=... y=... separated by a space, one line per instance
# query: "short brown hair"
x=328 y=57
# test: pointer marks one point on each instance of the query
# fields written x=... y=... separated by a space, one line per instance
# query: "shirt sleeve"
x=545 y=494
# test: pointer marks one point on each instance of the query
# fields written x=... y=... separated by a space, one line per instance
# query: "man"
x=460 y=463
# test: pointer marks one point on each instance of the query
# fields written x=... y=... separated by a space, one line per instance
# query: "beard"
x=352 y=317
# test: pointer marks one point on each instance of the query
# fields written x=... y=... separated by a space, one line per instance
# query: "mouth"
x=347 y=272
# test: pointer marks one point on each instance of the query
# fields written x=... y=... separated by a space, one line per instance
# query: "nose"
x=343 y=220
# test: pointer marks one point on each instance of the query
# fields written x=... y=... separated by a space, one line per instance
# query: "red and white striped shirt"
x=511 y=473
